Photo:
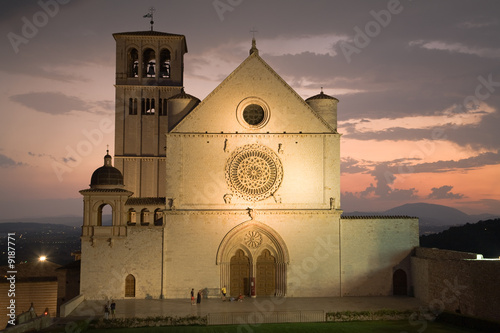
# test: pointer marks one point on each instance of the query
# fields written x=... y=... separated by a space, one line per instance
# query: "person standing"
x=223 y=291
x=192 y=296
x=113 y=309
x=198 y=299
x=106 y=311
x=32 y=311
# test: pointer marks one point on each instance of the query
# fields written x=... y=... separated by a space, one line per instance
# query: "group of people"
x=198 y=297
x=231 y=299
x=223 y=292
x=110 y=308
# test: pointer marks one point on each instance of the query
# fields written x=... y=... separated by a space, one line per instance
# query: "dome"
x=183 y=95
x=106 y=175
x=321 y=95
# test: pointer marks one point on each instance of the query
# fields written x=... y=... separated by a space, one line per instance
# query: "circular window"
x=253 y=114
x=254 y=172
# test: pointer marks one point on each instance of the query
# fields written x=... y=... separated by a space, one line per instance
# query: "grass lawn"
x=340 y=327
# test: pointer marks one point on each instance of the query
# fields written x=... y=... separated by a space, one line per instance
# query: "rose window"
x=253 y=239
x=254 y=172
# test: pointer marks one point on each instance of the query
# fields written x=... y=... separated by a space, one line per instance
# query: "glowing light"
x=43 y=258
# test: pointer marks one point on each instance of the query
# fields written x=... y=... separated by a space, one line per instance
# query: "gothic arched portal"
x=253 y=252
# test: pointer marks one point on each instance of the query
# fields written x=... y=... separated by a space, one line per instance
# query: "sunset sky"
x=418 y=84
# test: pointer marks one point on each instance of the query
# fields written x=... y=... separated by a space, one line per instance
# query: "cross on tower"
x=253 y=31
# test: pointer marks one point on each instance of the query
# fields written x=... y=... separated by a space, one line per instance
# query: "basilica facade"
x=240 y=190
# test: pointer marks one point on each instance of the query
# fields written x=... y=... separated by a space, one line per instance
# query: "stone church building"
x=240 y=190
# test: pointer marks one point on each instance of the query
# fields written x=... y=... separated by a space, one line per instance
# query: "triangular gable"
x=253 y=78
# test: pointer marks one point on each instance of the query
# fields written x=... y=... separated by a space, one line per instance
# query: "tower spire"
x=254 y=44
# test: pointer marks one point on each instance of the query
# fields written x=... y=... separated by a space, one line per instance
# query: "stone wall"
x=457 y=282
x=372 y=249
x=107 y=262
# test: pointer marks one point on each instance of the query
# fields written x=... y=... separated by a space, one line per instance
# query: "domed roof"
x=183 y=95
x=106 y=175
x=321 y=95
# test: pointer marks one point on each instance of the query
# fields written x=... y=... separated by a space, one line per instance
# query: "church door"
x=266 y=274
x=399 y=283
x=240 y=274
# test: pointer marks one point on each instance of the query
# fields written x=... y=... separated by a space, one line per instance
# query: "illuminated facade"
x=240 y=190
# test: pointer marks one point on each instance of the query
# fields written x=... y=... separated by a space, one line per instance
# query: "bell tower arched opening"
x=133 y=63
x=149 y=63
x=165 y=63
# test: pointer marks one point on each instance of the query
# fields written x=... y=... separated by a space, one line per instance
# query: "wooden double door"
x=242 y=272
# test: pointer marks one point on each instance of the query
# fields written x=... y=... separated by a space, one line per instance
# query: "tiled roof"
x=147 y=33
x=321 y=95
x=378 y=217
x=145 y=201
x=104 y=190
x=183 y=95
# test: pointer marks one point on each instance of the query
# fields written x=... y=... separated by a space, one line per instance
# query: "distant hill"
x=432 y=218
x=74 y=221
x=482 y=237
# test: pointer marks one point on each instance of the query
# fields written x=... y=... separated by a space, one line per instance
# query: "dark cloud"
x=351 y=165
x=485 y=134
x=384 y=171
x=383 y=189
x=474 y=162
x=32 y=154
x=51 y=102
x=6 y=162
x=444 y=192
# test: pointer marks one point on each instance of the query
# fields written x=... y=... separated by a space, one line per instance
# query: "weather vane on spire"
x=150 y=15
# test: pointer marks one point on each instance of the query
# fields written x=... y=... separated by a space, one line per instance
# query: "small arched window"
x=133 y=63
x=130 y=286
x=132 y=106
x=145 y=216
x=149 y=63
x=162 y=107
x=132 y=218
x=158 y=217
x=165 y=63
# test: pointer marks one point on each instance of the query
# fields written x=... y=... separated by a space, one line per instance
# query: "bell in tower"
x=151 y=69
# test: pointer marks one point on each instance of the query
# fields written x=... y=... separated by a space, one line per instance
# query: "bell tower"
x=149 y=70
